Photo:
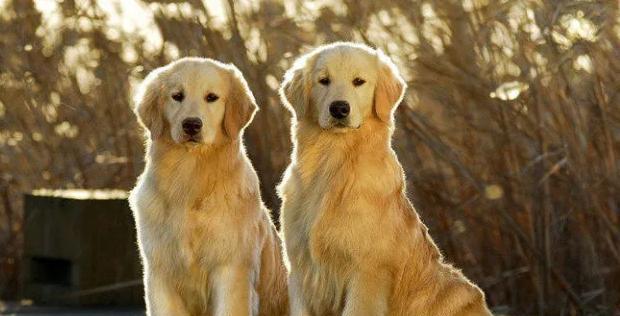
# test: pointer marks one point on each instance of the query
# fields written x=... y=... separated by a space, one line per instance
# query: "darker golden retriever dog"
x=356 y=245
x=207 y=243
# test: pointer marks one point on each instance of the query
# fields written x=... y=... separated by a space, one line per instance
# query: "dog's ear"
x=147 y=107
x=240 y=105
x=295 y=88
x=390 y=88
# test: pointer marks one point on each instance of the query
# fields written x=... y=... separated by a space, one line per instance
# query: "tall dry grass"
x=510 y=132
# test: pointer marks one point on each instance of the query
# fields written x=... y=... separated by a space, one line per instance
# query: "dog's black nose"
x=339 y=109
x=192 y=126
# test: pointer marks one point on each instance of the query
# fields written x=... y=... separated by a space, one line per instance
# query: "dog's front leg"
x=161 y=298
x=368 y=294
x=235 y=294
x=298 y=307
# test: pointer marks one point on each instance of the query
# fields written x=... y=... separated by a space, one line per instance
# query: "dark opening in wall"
x=51 y=271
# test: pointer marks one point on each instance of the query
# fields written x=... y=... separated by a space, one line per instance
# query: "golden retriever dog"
x=355 y=244
x=207 y=243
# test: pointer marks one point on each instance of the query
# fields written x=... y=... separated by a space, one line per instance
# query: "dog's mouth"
x=342 y=127
x=192 y=140
x=339 y=126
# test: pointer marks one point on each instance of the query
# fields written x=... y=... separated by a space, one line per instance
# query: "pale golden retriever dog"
x=206 y=239
x=356 y=245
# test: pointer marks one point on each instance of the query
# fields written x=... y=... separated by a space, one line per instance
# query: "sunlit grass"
x=81 y=194
x=510 y=110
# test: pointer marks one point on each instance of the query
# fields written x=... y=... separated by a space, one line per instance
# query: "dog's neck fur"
x=195 y=171
x=371 y=133
x=223 y=157
x=372 y=141
x=317 y=150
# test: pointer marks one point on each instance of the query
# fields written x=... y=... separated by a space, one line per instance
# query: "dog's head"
x=195 y=101
x=339 y=86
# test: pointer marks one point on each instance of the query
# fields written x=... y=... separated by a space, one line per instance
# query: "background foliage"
x=509 y=134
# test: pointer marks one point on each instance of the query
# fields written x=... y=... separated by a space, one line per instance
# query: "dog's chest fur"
x=184 y=223
x=189 y=222
x=333 y=211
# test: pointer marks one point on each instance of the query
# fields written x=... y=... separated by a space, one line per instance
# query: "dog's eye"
x=179 y=96
x=358 y=82
x=211 y=97
x=324 y=81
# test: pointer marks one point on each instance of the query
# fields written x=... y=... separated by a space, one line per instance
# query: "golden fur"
x=207 y=243
x=355 y=244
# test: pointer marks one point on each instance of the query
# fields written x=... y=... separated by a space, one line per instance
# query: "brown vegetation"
x=510 y=133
